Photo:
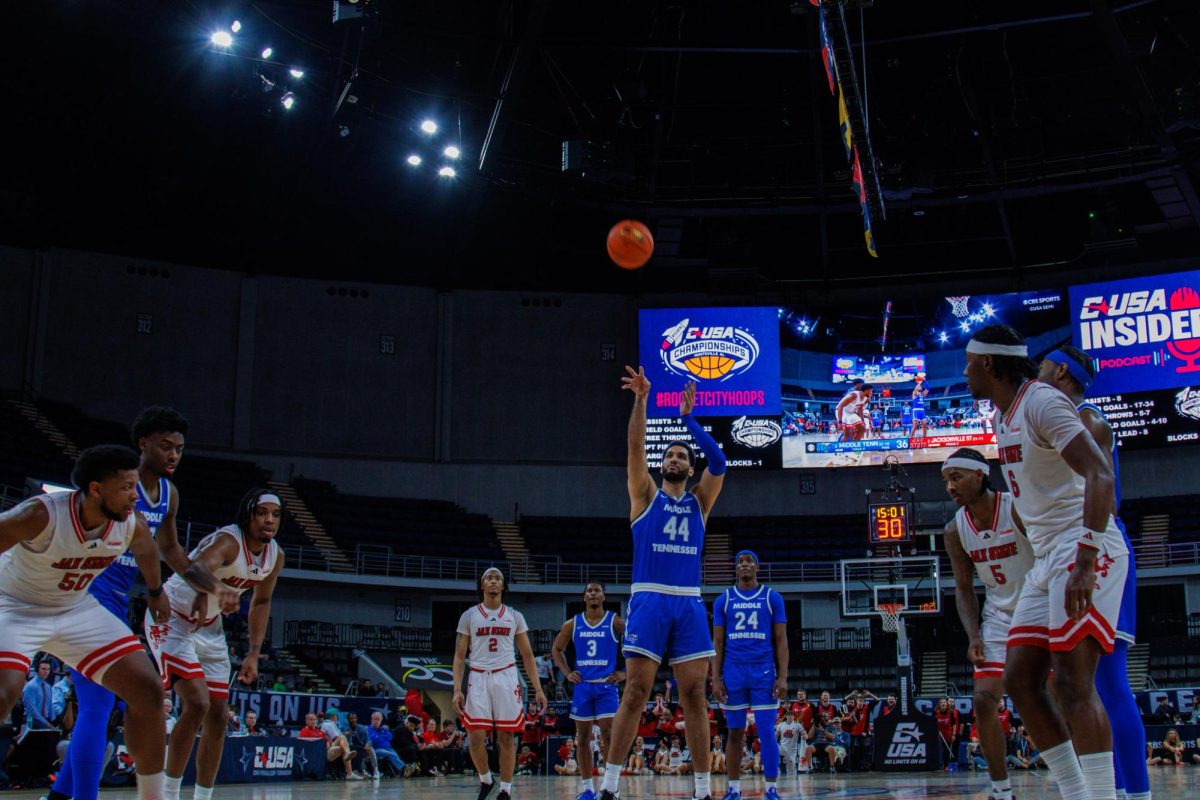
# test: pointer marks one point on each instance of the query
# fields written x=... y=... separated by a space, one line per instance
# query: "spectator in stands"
x=1165 y=713
x=277 y=728
x=826 y=711
x=527 y=763
x=545 y=669
x=406 y=741
x=233 y=725
x=837 y=744
x=366 y=688
x=278 y=685
x=566 y=756
x=718 y=755
x=452 y=747
x=550 y=724
x=360 y=740
x=432 y=747
x=857 y=723
x=636 y=763
x=1170 y=752
x=38 y=699
x=251 y=727
x=335 y=748
x=949 y=726
x=889 y=705
x=62 y=704
x=532 y=736
x=395 y=719
x=337 y=740
x=381 y=742
x=168 y=708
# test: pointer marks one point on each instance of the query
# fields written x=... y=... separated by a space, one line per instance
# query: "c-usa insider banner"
x=1143 y=333
x=731 y=353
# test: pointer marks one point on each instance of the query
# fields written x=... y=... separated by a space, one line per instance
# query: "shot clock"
x=889 y=516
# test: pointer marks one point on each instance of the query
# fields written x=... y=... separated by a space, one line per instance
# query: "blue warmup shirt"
x=668 y=539
x=111 y=587
x=595 y=647
x=749 y=621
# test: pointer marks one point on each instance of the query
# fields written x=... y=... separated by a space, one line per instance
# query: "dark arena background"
x=360 y=245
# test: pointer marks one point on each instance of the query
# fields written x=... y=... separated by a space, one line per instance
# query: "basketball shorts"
x=85 y=636
x=851 y=420
x=918 y=415
x=751 y=687
x=906 y=420
x=1040 y=619
x=667 y=626
x=186 y=654
x=594 y=701
x=994 y=631
x=494 y=699
x=1127 y=619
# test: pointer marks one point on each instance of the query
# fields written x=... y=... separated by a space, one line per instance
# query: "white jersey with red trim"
x=493 y=633
x=55 y=567
x=245 y=572
x=1001 y=553
x=1047 y=493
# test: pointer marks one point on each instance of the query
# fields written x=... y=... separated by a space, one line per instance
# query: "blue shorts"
x=906 y=419
x=594 y=701
x=918 y=415
x=750 y=687
x=1127 y=618
x=667 y=626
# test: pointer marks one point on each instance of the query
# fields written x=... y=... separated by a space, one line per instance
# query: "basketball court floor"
x=1165 y=782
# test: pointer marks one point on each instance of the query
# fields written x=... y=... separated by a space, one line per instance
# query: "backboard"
x=911 y=581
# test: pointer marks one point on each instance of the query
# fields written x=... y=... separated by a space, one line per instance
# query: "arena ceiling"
x=1007 y=137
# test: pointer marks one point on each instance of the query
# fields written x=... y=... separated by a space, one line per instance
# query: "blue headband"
x=750 y=553
x=1077 y=371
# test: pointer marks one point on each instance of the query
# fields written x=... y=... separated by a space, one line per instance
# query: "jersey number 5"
x=998 y=574
x=1012 y=484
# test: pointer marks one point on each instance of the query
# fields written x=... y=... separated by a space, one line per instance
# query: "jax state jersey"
x=56 y=566
x=595 y=647
x=112 y=586
x=493 y=632
x=668 y=538
x=1047 y=493
x=245 y=572
x=749 y=621
x=1001 y=553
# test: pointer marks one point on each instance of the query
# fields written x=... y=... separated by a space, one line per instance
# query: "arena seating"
x=435 y=528
x=26 y=452
x=579 y=539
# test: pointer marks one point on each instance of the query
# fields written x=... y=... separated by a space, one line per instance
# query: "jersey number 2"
x=75 y=581
x=493 y=645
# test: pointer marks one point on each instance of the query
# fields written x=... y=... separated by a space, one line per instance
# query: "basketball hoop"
x=958 y=305
x=890 y=614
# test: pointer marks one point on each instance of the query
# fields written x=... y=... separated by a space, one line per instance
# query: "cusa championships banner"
x=1144 y=333
x=731 y=353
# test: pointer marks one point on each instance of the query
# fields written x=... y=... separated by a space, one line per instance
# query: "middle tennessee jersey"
x=749 y=621
x=668 y=538
x=111 y=587
x=595 y=647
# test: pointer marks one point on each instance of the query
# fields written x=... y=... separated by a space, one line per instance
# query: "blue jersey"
x=668 y=538
x=749 y=622
x=111 y=587
x=595 y=647
x=918 y=399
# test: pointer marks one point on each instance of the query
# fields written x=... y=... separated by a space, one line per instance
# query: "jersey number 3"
x=591 y=648
x=676 y=526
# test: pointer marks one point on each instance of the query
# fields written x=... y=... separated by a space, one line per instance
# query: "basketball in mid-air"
x=630 y=244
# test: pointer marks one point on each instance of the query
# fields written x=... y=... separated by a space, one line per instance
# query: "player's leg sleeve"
x=1129 y=746
x=764 y=721
x=85 y=758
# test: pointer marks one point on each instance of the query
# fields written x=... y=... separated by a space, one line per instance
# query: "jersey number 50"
x=75 y=581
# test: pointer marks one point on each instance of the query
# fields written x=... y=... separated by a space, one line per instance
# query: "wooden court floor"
x=1166 y=784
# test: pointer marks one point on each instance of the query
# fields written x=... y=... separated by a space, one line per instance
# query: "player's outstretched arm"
x=557 y=651
x=964 y=591
x=461 y=645
x=638 y=480
x=713 y=478
x=146 y=554
x=259 y=617
x=169 y=548
x=522 y=642
x=218 y=553
x=22 y=523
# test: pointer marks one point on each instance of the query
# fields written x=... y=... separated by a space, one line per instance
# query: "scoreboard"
x=889 y=515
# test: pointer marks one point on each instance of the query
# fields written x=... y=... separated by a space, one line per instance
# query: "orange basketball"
x=630 y=244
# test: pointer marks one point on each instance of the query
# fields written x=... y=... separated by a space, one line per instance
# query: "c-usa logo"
x=758 y=432
x=1187 y=403
x=714 y=352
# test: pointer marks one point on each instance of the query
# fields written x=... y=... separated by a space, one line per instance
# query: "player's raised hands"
x=636 y=382
x=689 y=399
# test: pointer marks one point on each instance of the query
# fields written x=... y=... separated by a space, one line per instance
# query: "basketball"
x=630 y=244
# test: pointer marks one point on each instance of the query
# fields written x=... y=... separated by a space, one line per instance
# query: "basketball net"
x=890 y=614
x=958 y=305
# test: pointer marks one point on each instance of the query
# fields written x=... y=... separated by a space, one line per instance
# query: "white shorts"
x=184 y=654
x=86 y=636
x=851 y=420
x=1040 y=619
x=994 y=632
x=494 y=698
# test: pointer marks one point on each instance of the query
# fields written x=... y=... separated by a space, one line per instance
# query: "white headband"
x=492 y=569
x=962 y=462
x=268 y=498
x=982 y=349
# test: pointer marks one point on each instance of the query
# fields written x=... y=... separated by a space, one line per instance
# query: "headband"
x=268 y=498
x=750 y=553
x=962 y=462
x=492 y=569
x=983 y=349
x=1074 y=367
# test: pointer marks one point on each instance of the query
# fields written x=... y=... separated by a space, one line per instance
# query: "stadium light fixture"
x=288 y=100
x=236 y=26
x=429 y=126
x=414 y=160
x=965 y=327
x=296 y=73
x=942 y=337
x=451 y=151
x=267 y=52
x=987 y=309
x=447 y=172
x=222 y=39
